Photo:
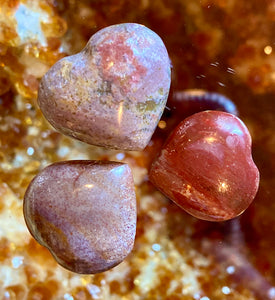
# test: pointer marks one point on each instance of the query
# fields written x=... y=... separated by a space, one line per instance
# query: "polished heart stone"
x=206 y=166
x=84 y=212
x=113 y=92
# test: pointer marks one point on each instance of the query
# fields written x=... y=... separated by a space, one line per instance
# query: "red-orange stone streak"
x=206 y=166
x=117 y=59
x=84 y=212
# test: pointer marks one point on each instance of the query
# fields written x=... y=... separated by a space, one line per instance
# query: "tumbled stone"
x=113 y=92
x=206 y=166
x=84 y=212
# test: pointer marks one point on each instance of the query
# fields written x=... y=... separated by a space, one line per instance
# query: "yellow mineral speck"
x=162 y=124
x=55 y=27
x=136 y=282
x=84 y=281
x=12 y=246
x=186 y=191
x=31 y=166
x=38 y=123
x=28 y=121
x=272 y=76
x=120 y=113
x=35 y=52
x=268 y=50
x=161 y=92
x=223 y=187
x=6 y=166
x=110 y=64
x=33 y=130
x=210 y=139
x=89 y=186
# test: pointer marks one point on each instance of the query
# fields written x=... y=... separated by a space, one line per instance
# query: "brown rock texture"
x=84 y=212
x=113 y=92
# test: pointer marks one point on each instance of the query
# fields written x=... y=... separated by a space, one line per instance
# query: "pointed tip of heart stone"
x=84 y=212
x=113 y=92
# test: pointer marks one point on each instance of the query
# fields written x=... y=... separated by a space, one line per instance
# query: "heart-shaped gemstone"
x=84 y=212
x=206 y=166
x=113 y=92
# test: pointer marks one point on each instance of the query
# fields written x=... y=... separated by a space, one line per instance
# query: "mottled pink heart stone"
x=113 y=92
x=84 y=212
x=206 y=166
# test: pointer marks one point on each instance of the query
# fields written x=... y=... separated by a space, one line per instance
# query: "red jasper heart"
x=206 y=166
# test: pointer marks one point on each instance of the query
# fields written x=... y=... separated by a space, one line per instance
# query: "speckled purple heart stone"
x=84 y=212
x=113 y=92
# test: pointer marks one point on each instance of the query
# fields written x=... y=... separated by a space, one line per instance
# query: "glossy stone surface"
x=84 y=212
x=206 y=166
x=113 y=92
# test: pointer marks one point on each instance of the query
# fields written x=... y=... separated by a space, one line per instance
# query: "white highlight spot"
x=230 y=269
x=94 y=290
x=156 y=247
x=197 y=296
x=17 y=261
x=30 y=151
x=120 y=156
x=63 y=151
x=226 y=290
x=68 y=297
x=271 y=293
